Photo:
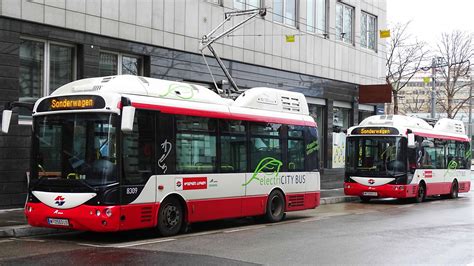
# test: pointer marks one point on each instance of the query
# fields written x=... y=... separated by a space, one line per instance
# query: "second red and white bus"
x=394 y=156
x=126 y=152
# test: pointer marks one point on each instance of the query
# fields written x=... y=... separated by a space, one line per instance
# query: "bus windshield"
x=376 y=156
x=76 y=146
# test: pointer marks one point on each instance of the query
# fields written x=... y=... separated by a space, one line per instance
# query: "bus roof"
x=261 y=98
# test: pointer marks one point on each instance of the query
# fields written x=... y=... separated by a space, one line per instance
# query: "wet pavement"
x=380 y=232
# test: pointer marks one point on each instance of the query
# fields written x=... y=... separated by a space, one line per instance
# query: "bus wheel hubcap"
x=172 y=216
x=276 y=206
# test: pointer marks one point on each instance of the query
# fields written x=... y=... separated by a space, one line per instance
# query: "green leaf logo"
x=270 y=165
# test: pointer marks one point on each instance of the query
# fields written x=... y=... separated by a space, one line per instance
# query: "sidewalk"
x=13 y=222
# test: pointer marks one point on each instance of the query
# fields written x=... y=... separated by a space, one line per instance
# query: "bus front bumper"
x=383 y=191
x=83 y=217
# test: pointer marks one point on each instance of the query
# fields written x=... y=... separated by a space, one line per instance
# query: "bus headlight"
x=108 y=212
x=97 y=212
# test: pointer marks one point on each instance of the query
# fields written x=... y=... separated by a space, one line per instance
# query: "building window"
x=247 y=4
x=44 y=67
x=119 y=64
x=344 y=22
x=284 y=11
x=368 y=30
x=316 y=16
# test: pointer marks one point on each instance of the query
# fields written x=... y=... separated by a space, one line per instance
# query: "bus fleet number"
x=132 y=190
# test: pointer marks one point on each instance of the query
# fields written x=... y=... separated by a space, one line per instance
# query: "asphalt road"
x=381 y=232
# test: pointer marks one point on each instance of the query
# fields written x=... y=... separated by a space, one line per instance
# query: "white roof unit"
x=450 y=125
x=273 y=100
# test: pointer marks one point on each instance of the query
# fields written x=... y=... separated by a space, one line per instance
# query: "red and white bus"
x=125 y=152
x=394 y=156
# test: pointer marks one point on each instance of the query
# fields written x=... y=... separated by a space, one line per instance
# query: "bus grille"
x=296 y=201
x=146 y=214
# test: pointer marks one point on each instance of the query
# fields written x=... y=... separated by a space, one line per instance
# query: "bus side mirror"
x=128 y=116
x=411 y=140
x=6 y=117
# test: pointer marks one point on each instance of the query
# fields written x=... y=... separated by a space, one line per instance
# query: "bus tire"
x=365 y=199
x=454 y=190
x=170 y=217
x=275 y=210
x=421 y=193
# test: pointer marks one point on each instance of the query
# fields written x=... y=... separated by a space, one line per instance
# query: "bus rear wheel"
x=454 y=190
x=275 y=207
x=421 y=194
x=170 y=217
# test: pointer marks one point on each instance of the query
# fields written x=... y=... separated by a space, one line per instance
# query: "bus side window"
x=233 y=146
x=196 y=147
x=296 y=148
x=265 y=143
x=311 y=150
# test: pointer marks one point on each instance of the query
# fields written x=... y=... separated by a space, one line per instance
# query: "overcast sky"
x=432 y=17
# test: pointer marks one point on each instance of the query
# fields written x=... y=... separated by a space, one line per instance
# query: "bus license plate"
x=369 y=193
x=62 y=222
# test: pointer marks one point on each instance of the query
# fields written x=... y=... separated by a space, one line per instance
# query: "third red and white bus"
x=394 y=156
x=125 y=152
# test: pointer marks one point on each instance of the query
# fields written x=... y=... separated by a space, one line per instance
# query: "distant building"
x=415 y=97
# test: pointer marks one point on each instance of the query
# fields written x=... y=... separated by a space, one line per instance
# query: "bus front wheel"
x=170 y=217
x=275 y=207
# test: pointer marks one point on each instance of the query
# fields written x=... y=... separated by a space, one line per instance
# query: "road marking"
x=31 y=240
x=92 y=245
x=144 y=243
x=311 y=220
x=243 y=229
x=331 y=189
x=406 y=206
x=6 y=240
x=11 y=210
x=131 y=244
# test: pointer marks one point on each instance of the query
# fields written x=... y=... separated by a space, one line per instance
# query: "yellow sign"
x=290 y=38
x=374 y=131
x=426 y=80
x=73 y=103
x=385 y=34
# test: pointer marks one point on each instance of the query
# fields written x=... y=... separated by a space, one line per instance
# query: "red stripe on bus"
x=222 y=115
x=429 y=135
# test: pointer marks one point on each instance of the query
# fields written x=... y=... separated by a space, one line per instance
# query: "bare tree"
x=457 y=50
x=416 y=103
x=404 y=58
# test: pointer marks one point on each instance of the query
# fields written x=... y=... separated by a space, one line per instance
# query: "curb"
x=333 y=200
x=26 y=230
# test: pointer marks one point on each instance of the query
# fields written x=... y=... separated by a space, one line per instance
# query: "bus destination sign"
x=375 y=131
x=79 y=102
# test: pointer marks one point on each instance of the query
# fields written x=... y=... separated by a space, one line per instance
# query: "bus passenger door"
x=137 y=187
